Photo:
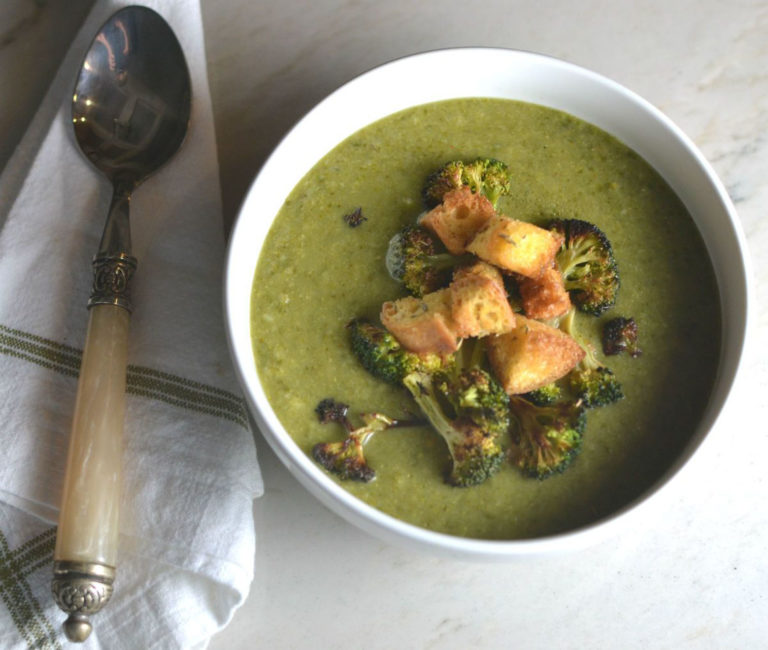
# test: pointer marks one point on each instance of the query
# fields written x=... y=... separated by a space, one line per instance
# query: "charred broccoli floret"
x=484 y=175
x=592 y=381
x=355 y=218
x=329 y=410
x=546 y=439
x=414 y=259
x=464 y=403
x=469 y=410
x=595 y=383
x=620 y=335
x=586 y=262
x=545 y=395
x=380 y=353
x=476 y=394
x=345 y=458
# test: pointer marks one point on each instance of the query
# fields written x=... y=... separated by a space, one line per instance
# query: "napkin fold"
x=187 y=537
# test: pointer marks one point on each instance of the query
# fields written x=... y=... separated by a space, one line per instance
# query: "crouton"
x=456 y=220
x=544 y=297
x=531 y=355
x=422 y=325
x=479 y=304
x=516 y=246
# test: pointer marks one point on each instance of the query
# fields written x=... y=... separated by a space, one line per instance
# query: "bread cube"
x=544 y=297
x=456 y=220
x=516 y=246
x=422 y=325
x=479 y=304
x=531 y=355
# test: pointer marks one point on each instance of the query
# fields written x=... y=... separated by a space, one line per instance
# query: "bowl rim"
x=735 y=307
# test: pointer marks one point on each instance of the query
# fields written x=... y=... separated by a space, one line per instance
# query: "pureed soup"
x=316 y=273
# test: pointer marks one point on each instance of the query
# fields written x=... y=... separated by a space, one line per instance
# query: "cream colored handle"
x=90 y=501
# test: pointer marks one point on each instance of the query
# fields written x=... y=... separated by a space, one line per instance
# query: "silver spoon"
x=130 y=111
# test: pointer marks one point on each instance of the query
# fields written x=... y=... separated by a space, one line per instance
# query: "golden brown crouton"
x=544 y=297
x=422 y=325
x=532 y=355
x=479 y=302
x=516 y=246
x=456 y=220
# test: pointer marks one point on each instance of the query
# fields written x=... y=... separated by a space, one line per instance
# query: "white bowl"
x=481 y=72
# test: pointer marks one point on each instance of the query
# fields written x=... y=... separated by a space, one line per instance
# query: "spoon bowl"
x=131 y=103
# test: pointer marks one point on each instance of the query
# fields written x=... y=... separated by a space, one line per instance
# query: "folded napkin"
x=187 y=538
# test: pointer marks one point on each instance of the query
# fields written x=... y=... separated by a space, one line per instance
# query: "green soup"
x=316 y=273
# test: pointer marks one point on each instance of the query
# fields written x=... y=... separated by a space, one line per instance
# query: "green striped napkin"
x=186 y=529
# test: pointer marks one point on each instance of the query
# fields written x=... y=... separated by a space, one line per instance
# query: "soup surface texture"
x=315 y=273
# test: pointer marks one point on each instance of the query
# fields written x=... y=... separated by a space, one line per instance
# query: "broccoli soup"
x=323 y=265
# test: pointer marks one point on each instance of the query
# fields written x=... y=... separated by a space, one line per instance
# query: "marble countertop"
x=692 y=573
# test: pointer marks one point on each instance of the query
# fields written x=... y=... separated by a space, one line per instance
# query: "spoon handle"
x=89 y=510
x=86 y=542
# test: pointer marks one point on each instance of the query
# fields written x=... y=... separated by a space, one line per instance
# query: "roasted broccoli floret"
x=329 y=410
x=380 y=353
x=592 y=381
x=355 y=218
x=484 y=175
x=464 y=403
x=469 y=410
x=546 y=439
x=414 y=259
x=474 y=393
x=345 y=458
x=620 y=335
x=595 y=383
x=545 y=395
x=586 y=261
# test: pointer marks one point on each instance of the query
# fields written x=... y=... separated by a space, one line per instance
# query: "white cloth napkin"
x=187 y=536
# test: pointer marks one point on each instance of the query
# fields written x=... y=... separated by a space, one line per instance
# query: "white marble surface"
x=692 y=573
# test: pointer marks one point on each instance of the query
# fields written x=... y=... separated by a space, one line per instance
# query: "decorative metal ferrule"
x=112 y=274
x=81 y=589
